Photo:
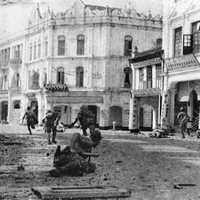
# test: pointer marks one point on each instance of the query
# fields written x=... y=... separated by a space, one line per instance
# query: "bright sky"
x=13 y=17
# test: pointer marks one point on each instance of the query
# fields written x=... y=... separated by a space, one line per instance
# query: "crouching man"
x=74 y=160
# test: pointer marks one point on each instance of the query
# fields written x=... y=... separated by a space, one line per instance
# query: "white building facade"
x=146 y=98
x=181 y=36
x=78 y=57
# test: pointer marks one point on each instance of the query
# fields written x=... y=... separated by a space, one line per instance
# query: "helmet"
x=96 y=135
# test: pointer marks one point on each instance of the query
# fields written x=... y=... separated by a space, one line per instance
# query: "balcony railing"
x=56 y=87
x=16 y=61
x=147 y=92
x=181 y=63
x=145 y=85
x=3 y=91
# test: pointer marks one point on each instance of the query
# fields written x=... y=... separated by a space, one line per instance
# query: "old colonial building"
x=181 y=36
x=76 y=57
x=146 y=98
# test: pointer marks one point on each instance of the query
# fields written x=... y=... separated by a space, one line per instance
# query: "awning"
x=74 y=99
x=182 y=63
x=186 y=98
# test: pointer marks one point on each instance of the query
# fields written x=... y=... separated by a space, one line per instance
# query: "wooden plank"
x=75 y=193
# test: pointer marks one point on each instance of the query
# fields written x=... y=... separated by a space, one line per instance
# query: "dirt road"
x=151 y=168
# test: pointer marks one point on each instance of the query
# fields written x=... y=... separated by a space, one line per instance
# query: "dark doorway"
x=115 y=114
x=4 y=110
x=146 y=118
x=141 y=118
x=93 y=109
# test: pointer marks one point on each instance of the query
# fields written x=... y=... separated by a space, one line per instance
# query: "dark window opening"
x=60 y=75
x=80 y=44
x=127 y=79
x=141 y=78
x=35 y=80
x=79 y=76
x=61 y=45
x=149 y=77
x=187 y=43
x=196 y=36
x=128 y=45
x=158 y=76
x=178 y=42
x=159 y=43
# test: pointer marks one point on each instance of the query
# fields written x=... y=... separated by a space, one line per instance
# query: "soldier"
x=30 y=119
x=56 y=118
x=48 y=124
x=73 y=160
x=86 y=119
x=183 y=119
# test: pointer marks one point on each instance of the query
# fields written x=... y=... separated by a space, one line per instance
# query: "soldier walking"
x=30 y=119
x=50 y=125
x=182 y=119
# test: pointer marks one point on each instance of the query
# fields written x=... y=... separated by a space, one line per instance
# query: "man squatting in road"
x=86 y=119
x=74 y=160
x=183 y=119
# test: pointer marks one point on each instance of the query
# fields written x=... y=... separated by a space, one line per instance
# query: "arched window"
x=61 y=45
x=16 y=80
x=127 y=77
x=44 y=78
x=159 y=43
x=79 y=76
x=35 y=80
x=80 y=44
x=60 y=75
x=128 y=45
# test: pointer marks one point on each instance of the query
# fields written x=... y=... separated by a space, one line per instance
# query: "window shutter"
x=187 y=44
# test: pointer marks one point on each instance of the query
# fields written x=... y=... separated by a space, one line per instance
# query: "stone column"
x=154 y=124
x=9 y=107
x=133 y=113
x=199 y=120
x=153 y=76
x=159 y=109
x=130 y=125
x=0 y=111
x=145 y=78
x=136 y=79
x=133 y=77
x=132 y=105
x=172 y=106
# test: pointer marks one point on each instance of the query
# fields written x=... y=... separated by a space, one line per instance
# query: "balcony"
x=147 y=92
x=3 y=91
x=56 y=87
x=15 y=62
x=4 y=66
x=181 y=63
x=16 y=89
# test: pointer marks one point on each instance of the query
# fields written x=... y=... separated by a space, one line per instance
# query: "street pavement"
x=151 y=167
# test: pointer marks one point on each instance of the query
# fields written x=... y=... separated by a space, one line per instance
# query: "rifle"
x=89 y=155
